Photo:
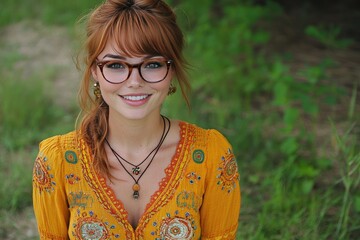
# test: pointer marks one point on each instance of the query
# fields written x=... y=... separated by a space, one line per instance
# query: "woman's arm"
x=221 y=202
x=49 y=197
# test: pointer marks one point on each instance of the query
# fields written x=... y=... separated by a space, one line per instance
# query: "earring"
x=97 y=91
x=172 y=89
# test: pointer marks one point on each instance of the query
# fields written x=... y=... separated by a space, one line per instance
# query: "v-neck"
x=158 y=199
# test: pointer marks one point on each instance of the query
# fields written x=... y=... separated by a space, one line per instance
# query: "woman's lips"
x=136 y=100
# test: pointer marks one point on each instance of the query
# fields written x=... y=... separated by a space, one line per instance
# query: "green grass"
x=328 y=36
x=15 y=190
x=60 y=12
x=25 y=108
x=294 y=185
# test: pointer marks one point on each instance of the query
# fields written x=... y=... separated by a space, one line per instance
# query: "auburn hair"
x=138 y=27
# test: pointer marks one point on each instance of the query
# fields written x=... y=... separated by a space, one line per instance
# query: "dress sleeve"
x=221 y=202
x=49 y=197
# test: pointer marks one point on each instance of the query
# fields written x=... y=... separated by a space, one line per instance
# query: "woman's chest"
x=172 y=211
x=135 y=191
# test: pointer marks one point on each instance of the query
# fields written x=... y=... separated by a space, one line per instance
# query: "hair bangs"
x=140 y=33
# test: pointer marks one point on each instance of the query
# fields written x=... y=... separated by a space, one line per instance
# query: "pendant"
x=136 y=194
x=136 y=170
x=136 y=189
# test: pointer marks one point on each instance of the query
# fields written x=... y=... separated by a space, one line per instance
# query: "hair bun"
x=129 y=3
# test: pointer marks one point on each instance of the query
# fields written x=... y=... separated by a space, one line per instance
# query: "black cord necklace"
x=136 y=168
x=136 y=186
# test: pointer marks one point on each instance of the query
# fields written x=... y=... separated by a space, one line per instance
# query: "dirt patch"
x=18 y=226
x=45 y=49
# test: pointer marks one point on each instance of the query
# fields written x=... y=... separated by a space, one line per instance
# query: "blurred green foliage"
x=50 y=12
x=328 y=36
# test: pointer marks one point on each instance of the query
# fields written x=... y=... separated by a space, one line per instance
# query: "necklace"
x=136 y=186
x=136 y=170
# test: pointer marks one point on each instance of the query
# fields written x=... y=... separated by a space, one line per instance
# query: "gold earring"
x=97 y=91
x=172 y=89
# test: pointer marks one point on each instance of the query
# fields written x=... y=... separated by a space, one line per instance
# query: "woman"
x=128 y=172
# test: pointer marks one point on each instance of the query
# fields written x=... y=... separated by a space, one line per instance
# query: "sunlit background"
x=281 y=79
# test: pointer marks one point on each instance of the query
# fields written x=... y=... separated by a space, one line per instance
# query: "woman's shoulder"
x=207 y=140
x=59 y=143
x=208 y=146
x=207 y=134
x=57 y=155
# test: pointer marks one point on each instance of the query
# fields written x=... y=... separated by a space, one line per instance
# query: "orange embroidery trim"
x=103 y=192
x=170 y=182
x=160 y=198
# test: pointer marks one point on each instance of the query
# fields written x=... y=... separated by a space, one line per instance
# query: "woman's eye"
x=153 y=65
x=115 y=65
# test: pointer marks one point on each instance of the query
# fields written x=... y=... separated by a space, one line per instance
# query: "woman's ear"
x=171 y=73
x=94 y=72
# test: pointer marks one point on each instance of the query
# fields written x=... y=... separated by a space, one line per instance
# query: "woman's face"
x=133 y=98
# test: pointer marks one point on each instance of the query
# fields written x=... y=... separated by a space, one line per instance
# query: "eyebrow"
x=124 y=58
x=114 y=56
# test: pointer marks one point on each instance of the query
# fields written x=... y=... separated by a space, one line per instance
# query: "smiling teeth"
x=135 y=98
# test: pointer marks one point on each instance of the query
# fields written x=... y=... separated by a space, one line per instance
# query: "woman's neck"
x=128 y=135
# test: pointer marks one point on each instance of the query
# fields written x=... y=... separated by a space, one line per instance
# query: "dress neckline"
x=173 y=172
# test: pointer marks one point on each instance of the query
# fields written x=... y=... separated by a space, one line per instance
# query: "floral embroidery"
x=228 y=172
x=188 y=200
x=193 y=177
x=198 y=156
x=72 y=178
x=176 y=228
x=80 y=199
x=70 y=157
x=89 y=227
x=42 y=177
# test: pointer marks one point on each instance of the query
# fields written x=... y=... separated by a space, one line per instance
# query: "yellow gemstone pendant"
x=136 y=189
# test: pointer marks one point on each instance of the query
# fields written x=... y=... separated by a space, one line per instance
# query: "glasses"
x=151 y=70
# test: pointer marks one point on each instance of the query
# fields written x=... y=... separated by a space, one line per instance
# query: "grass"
x=295 y=185
x=50 y=12
x=25 y=108
x=15 y=192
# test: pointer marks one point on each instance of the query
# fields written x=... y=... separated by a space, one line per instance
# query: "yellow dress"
x=199 y=198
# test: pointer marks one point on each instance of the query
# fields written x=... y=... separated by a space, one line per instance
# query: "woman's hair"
x=137 y=27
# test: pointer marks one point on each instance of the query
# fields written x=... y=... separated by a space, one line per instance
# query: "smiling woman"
x=128 y=172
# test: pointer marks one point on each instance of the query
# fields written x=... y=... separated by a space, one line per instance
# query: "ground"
x=45 y=48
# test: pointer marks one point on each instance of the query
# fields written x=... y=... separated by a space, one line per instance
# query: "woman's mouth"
x=135 y=98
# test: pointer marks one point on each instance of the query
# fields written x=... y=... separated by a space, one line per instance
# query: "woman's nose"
x=135 y=78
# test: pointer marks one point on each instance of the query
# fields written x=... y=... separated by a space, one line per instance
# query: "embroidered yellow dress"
x=199 y=198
